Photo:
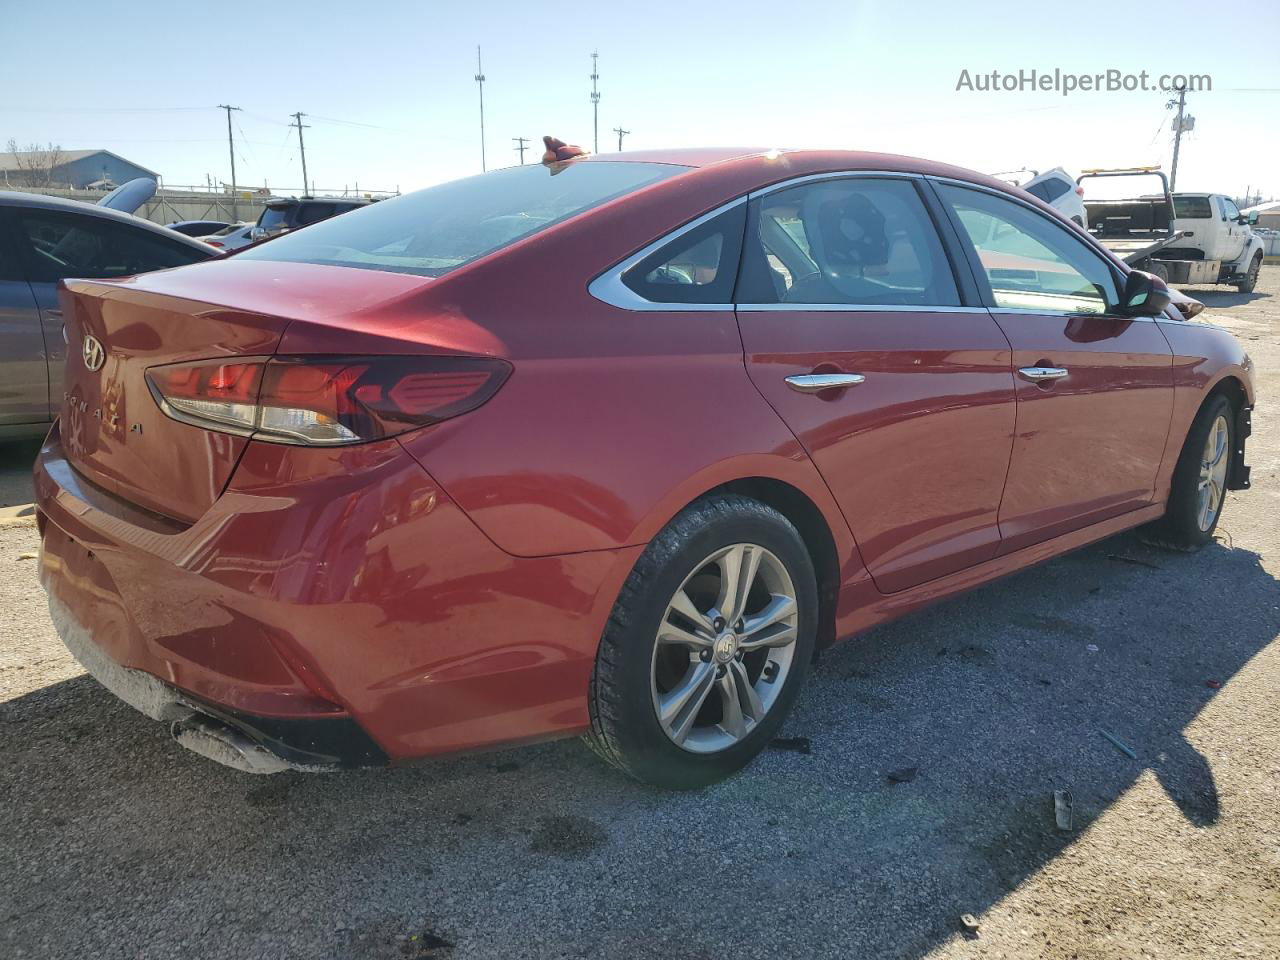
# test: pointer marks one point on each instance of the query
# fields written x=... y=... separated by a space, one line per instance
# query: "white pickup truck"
x=1182 y=237
x=1215 y=240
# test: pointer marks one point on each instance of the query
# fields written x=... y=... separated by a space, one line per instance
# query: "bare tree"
x=35 y=164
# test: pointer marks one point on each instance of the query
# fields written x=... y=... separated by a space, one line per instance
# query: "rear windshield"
x=1192 y=208
x=433 y=231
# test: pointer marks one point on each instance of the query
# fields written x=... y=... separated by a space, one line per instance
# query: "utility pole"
x=302 y=148
x=595 y=101
x=621 y=133
x=231 y=147
x=1181 y=103
x=520 y=145
x=480 y=83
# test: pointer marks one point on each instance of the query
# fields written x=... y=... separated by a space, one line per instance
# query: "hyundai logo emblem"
x=93 y=353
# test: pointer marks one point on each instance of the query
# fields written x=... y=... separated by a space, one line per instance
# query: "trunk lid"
x=113 y=431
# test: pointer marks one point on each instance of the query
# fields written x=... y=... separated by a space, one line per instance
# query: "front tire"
x=1250 y=281
x=707 y=646
x=1199 y=487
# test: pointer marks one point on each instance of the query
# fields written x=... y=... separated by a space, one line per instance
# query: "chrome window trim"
x=609 y=288
x=834 y=175
x=854 y=308
x=1067 y=314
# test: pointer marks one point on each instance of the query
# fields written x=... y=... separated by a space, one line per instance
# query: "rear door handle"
x=817 y=382
x=1040 y=374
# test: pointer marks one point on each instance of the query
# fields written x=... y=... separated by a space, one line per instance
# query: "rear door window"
x=845 y=241
x=60 y=246
x=699 y=266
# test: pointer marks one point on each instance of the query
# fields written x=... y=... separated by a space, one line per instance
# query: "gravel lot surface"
x=118 y=843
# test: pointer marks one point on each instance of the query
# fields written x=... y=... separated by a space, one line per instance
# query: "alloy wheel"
x=724 y=648
x=1213 y=473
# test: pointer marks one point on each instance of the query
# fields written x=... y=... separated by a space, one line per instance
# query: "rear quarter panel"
x=612 y=419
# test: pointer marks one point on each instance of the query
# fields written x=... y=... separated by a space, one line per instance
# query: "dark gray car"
x=44 y=240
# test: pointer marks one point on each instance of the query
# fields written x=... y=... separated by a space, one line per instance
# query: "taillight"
x=1080 y=192
x=324 y=400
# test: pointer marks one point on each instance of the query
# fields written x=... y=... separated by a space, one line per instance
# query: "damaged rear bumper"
x=245 y=741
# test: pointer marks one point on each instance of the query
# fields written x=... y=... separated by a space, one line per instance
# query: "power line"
x=520 y=145
x=302 y=148
x=621 y=133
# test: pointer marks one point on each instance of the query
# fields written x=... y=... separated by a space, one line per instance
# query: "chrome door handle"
x=817 y=382
x=1039 y=374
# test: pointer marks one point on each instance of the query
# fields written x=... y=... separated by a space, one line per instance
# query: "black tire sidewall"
x=650 y=753
x=1184 y=496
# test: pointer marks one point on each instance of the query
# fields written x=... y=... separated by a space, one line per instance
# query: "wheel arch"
x=814 y=529
x=1241 y=403
x=825 y=534
x=1233 y=388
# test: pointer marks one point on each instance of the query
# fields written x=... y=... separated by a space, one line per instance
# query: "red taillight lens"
x=1080 y=192
x=324 y=400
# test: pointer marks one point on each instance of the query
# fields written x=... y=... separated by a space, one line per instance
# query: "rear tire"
x=1198 y=491
x=665 y=636
x=1250 y=281
x=1158 y=269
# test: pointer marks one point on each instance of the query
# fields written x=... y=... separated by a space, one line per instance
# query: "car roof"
x=773 y=164
x=290 y=201
x=38 y=201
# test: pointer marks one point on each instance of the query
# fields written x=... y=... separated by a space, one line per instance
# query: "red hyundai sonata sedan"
x=607 y=447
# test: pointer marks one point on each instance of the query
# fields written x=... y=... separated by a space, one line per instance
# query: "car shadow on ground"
x=1218 y=297
x=16 y=460
x=118 y=837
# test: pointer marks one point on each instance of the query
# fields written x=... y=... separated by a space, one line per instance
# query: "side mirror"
x=1145 y=295
x=1252 y=218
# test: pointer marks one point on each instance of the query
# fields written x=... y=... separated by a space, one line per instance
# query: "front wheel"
x=707 y=646
x=1250 y=280
x=1199 y=487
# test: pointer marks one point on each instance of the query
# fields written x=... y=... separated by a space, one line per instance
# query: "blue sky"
x=393 y=104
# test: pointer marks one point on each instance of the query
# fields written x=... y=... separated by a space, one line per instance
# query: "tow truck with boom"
x=1181 y=238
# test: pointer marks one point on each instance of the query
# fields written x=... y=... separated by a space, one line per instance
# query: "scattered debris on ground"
x=1062 y=808
x=794 y=744
x=1135 y=561
x=902 y=774
x=1120 y=744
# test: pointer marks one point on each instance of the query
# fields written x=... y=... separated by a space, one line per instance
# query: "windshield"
x=433 y=231
x=1192 y=208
